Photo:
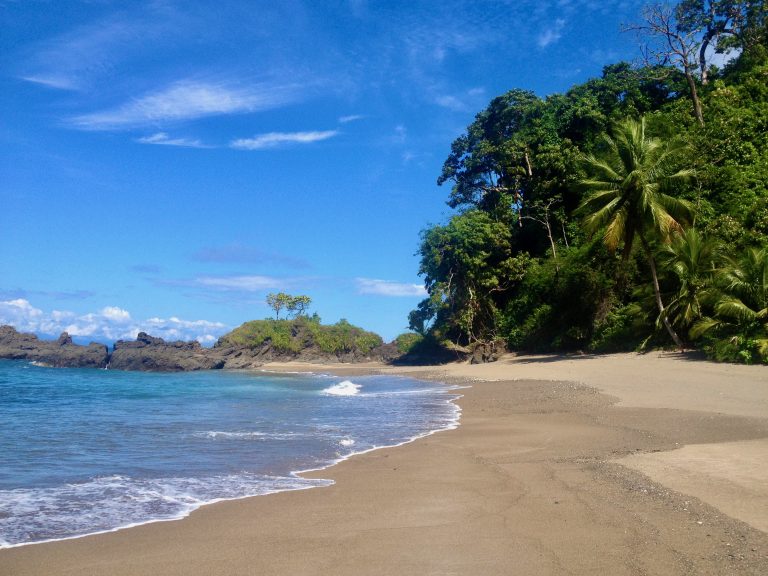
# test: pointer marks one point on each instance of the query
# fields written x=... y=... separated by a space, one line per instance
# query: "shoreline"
x=304 y=474
x=462 y=476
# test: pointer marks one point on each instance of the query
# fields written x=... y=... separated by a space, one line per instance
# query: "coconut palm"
x=692 y=259
x=741 y=310
x=628 y=196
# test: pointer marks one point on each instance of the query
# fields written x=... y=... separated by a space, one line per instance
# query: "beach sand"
x=619 y=464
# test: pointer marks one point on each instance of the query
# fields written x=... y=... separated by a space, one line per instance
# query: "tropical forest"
x=628 y=213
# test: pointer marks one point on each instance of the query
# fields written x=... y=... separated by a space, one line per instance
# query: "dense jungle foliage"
x=630 y=211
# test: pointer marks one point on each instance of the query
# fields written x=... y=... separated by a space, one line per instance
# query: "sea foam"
x=223 y=435
x=345 y=388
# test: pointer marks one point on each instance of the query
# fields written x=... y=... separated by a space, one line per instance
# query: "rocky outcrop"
x=150 y=354
x=61 y=353
x=243 y=357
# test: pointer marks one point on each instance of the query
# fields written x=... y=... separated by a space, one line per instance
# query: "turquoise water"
x=85 y=451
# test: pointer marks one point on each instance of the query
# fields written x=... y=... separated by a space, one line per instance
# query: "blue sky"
x=166 y=164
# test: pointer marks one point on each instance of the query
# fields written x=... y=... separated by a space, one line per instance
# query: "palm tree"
x=692 y=259
x=742 y=307
x=627 y=195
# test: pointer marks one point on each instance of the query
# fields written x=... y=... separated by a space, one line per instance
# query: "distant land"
x=249 y=346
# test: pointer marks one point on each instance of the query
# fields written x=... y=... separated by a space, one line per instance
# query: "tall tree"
x=723 y=25
x=467 y=267
x=627 y=195
x=665 y=43
x=489 y=163
x=711 y=21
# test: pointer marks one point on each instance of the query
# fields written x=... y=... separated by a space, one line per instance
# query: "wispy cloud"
x=71 y=61
x=551 y=33
x=350 y=118
x=186 y=100
x=388 y=288
x=163 y=139
x=246 y=283
x=242 y=254
x=108 y=324
x=53 y=80
x=274 y=139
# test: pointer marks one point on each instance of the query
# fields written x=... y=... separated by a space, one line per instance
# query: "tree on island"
x=298 y=305
x=294 y=305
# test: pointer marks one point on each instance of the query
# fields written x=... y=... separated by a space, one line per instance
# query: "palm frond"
x=615 y=232
x=734 y=308
x=703 y=326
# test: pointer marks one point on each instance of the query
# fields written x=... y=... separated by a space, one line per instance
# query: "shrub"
x=407 y=341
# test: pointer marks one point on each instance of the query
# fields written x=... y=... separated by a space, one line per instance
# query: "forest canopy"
x=630 y=211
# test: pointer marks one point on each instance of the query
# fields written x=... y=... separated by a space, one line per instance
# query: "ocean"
x=84 y=451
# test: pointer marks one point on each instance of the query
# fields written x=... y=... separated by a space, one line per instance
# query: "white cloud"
x=18 y=311
x=388 y=288
x=273 y=139
x=186 y=100
x=551 y=34
x=350 y=118
x=241 y=283
x=163 y=139
x=116 y=314
x=110 y=323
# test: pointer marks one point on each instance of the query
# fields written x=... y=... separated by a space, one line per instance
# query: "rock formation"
x=61 y=353
x=150 y=354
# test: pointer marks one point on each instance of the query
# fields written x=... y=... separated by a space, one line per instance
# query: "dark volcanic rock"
x=61 y=353
x=151 y=354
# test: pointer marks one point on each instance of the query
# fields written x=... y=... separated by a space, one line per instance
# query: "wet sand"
x=620 y=464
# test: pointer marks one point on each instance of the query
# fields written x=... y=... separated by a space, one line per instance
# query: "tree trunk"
x=565 y=238
x=528 y=164
x=552 y=242
x=703 y=56
x=694 y=96
x=657 y=293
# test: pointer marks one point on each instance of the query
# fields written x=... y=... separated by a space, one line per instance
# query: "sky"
x=166 y=164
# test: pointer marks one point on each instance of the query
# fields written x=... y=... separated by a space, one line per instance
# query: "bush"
x=622 y=329
x=556 y=306
x=253 y=334
x=736 y=349
x=407 y=341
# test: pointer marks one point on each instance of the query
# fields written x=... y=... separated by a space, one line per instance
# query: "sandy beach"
x=623 y=464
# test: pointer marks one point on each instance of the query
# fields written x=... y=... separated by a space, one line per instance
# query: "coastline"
x=540 y=477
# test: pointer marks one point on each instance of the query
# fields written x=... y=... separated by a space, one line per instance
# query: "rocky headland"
x=150 y=354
